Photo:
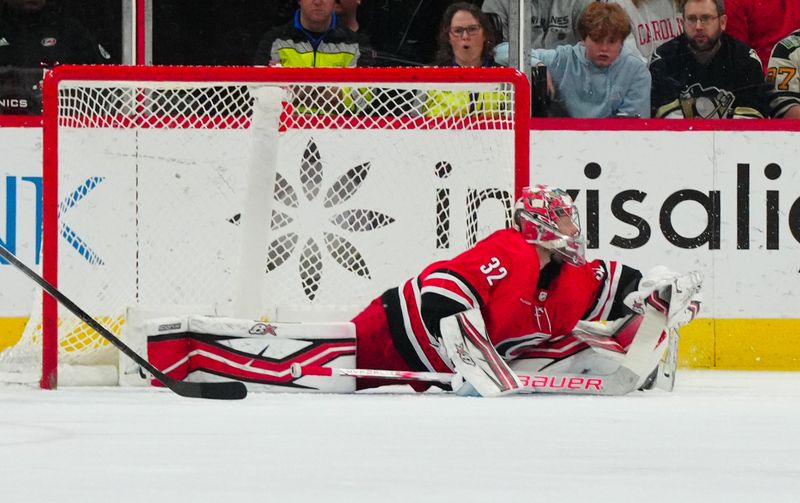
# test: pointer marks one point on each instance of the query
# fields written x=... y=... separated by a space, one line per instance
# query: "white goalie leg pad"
x=209 y=349
x=646 y=350
x=604 y=370
x=678 y=298
x=474 y=357
x=667 y=368
x=683 y=298
x=605 y=355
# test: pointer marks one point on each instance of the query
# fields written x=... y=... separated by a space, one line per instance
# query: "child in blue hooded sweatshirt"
x=597 y=77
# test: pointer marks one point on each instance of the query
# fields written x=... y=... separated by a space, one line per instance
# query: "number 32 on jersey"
x=494 y=271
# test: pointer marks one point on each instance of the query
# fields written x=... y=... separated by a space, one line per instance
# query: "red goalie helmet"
x=547 y=217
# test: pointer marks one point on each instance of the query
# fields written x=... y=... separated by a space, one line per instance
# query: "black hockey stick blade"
x=228 y=390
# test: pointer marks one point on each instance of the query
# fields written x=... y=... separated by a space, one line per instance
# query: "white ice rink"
x=720 y=437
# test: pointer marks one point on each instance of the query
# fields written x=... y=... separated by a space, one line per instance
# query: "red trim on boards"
x=558 y=124
x=539 y=124
x=20 y=121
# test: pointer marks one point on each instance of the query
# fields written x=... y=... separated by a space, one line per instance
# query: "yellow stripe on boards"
x=758 y=344
x=696 y=349
x=741 y=344
x=11 y=330
x=80 y=338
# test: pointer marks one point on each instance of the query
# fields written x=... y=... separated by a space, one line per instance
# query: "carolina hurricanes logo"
x=513 y=347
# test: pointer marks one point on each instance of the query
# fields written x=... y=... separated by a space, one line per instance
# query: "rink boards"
x=724 y=202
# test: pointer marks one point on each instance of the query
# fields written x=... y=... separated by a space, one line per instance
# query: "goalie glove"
x=676 y=295
x=685 y=299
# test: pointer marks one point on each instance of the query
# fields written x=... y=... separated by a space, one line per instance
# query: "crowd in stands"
x=601 y=58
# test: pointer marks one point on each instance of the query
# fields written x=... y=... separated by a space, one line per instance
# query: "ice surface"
x=720 y=437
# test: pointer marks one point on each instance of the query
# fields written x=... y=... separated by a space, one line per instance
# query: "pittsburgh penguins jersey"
x=521 y=305
x=733 y=78
x=784 y=75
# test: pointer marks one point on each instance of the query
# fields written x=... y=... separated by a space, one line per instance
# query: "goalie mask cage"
x=280 y=193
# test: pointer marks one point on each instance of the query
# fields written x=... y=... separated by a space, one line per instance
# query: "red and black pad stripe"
x=207 y=353
x=660 y=305
x=505 y=378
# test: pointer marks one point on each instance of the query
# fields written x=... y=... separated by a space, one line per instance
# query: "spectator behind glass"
x=762 y=23
x=599 y=76
x=347 y=13
x=466 y=39
x=36 y=34
x=784 y=75
x=313 y=38
x=653 y=22
x=706 y=73
x=553 y=22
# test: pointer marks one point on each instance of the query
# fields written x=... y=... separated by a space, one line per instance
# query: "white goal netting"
x=262 y=192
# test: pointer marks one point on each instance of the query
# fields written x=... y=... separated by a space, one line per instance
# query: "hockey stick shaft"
x=313 y=370
x=232 y=390
x=566 y=383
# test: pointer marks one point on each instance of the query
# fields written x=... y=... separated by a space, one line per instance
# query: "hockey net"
x=286 y=194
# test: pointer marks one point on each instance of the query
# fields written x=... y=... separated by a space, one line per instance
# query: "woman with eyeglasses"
x=466 y=39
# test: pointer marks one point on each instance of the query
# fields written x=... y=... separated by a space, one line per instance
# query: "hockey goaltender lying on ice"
x=517 y=312
x=521 y=311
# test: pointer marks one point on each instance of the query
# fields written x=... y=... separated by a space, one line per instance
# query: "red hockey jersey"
x=521 y=305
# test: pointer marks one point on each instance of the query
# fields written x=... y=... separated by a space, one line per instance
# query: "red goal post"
x=158 y=182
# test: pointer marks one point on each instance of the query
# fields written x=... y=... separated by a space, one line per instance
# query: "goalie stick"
x=536 y=383
x=667 y=369
x=229 y=390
